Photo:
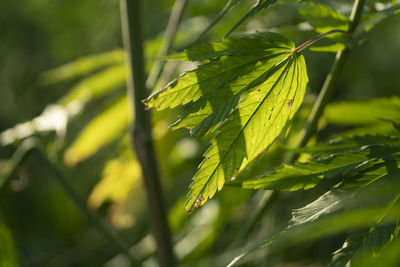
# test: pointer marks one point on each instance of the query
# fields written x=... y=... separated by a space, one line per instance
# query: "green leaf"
x=8 y=252
x=364 y=111
x=328 y=48
x=249 y=89
x=322 y=18
x=95 y=135
x=82 y=66
x=388 y=256
x=372 y=20
x=341 y=209
x=96 y=85
x=120 y=176
x=355 y=155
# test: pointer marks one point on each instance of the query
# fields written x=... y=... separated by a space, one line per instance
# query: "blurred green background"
x=39 y=224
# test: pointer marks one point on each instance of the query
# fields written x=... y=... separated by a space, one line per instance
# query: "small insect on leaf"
x=289 y=102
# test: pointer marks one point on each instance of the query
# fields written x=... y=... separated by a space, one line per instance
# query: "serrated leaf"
x=216 y=106
x=344 y=210
x=231 y=58
x=249 y=130
x=349 y=161
x=250 y=87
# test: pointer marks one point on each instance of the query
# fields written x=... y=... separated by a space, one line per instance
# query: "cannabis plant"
x=247 y=94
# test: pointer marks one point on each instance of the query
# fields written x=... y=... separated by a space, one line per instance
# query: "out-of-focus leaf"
x=83 y=66
x=99 y=132
x=96 y=85
x=349 y=161
x=372 y=20
x=53 y=118
x=329 y=48
x=388 y=256
x=321 y=17
x=253 y=93
x=120 y=176
x=8 y=254
x=338 y=211
x=363 y=111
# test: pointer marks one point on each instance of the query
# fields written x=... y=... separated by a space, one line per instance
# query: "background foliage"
x=84 y=134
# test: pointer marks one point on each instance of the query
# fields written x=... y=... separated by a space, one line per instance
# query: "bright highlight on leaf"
x=248 y=88
x=99 y=132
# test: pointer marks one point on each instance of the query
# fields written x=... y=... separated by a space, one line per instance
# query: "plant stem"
x=330 y=81
x=141 y=137
x=16 y=159
x=170 y=31
x=254 y=10
x=221 y=14
x=317 y=110
x=316 y=38
x=94 y=218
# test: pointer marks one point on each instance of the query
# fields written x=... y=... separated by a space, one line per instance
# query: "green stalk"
x=316 y=112
x=330 y=81
x=221 y=14
x=169 y=36
x=93 y=217
x=141 y=136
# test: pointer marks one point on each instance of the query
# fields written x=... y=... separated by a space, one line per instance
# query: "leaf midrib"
x=241 y=130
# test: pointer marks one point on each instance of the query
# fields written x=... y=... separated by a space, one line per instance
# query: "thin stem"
x=169 y=36
x=221 y=14
x=254 y=10
x=141 y=136
x=330 y=81
x=94 y=218
x=318 y=108
x=16 y=159
x=316 y=38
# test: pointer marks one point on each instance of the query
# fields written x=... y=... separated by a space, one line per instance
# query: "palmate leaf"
x=337 y=159
x=249 y=88
x=342 y=209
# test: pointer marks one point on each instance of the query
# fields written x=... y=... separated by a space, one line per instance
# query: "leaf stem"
x=169 y=36
x=221 y=14
x=330 y=81
x=141 y=136
x=316 y=38
x=93 y=217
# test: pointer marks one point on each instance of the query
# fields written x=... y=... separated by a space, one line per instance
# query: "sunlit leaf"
x=342 y=158
x=364 y=111
x=328 y=48
x=120 y=176
x=99 y=132
x=96 y=85
x=321 y=17
x=83 y=66
x=337 y=211
x=251 y=86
